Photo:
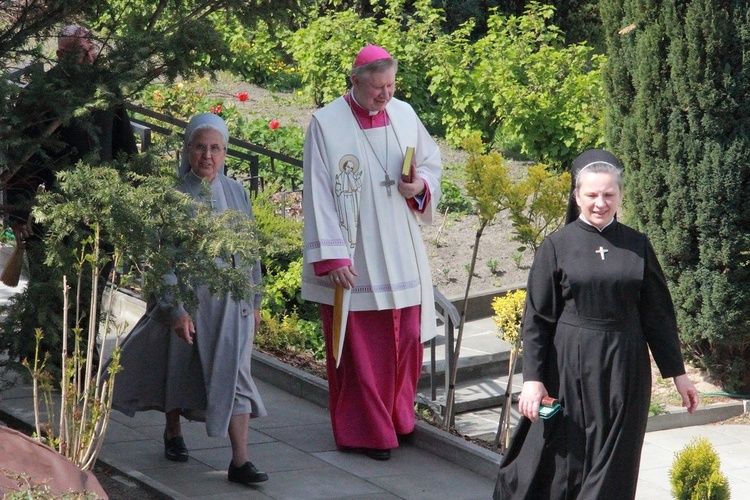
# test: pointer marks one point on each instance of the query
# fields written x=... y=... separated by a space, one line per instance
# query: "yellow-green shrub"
x=695 y=473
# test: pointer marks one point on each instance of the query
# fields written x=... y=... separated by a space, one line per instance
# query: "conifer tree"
x=140 y=41
x=678 y=115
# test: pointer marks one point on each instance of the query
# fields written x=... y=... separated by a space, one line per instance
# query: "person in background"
x=197 y=363
x=99 y=135
x=597 y=301
x=364 y=259
x=70 y=113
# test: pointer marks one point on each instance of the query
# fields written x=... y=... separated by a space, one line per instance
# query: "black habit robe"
x=596 y=302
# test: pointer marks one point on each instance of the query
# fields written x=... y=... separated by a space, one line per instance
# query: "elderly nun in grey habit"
x=197 y=363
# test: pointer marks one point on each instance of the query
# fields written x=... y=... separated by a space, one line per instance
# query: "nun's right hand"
x=184 y=328
x=531 y=396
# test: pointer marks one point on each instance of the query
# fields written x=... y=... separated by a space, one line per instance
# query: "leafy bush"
x=537 y=205
x=290 y=334
x=257 y=54
x=290 y=324
x=325 y=49
x=280 y=237
x=324 y=52
x=508 y=310
x=519 y=84
x=523 y=87
x=695 y=473
x=452 y=198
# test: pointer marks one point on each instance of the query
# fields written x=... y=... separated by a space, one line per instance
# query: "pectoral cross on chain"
x=388 y=182
x=601 y=251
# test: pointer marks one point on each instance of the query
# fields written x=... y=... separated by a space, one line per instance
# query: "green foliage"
x=257 y=54
x=179 y=100
x=487 y=179
x=289 y=322
x=280 y=237
x=508 y=316
x=324 y=51
x=677 y=84
x=537 y=205
x=493 y=265
x=158 y=230
x=29 y=489
x=290 y=334
x=286 y=139
x=656 y=409
x=518 y=84
x=452 y=199
x=696 y=474
x=523 y=87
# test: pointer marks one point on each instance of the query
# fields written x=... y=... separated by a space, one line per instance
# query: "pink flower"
x=274 y=124
x=216 y=109
x=242 y=96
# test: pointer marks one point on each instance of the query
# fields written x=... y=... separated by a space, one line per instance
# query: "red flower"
x=216 y=109
x=242 y=96
x=273 y=124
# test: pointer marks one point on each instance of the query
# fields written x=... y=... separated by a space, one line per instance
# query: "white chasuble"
x=350 y=215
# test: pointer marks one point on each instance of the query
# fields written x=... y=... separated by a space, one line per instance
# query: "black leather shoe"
x=247 y=474
x=378 y=454
x=175 y=449
x=405 y=438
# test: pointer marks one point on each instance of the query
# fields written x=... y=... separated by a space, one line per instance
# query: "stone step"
x=477 y=393
x=482 y=352
x=483 y=424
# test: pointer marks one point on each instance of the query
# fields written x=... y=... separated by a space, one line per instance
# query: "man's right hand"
x=343 y=276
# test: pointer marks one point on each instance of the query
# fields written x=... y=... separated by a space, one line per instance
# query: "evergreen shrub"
x=677 y=83
x=695 y=473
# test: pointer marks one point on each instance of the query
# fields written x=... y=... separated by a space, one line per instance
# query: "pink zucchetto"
x=370 y=53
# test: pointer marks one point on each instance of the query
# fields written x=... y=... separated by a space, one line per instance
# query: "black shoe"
x=378 y=454
x=175 y=449
x=247 y=474
x=405 y=438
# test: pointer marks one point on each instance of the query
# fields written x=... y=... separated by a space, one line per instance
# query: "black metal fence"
x=242 y=150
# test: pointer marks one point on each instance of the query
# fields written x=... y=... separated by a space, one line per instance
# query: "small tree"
x=487 y=185
x=537 y=205
x=695 y=473
x=509 y=320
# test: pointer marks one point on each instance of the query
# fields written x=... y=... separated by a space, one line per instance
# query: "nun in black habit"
x=597 y=301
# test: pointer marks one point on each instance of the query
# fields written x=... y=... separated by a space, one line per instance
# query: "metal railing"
x=449 y=316
x=243 y=150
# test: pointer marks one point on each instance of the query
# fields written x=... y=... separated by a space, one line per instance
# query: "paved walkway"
x=295 y=446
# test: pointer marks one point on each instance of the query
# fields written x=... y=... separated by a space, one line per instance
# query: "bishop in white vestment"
x=362 y=237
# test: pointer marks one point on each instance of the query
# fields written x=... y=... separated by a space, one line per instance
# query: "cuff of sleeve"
x=420 y=202
x=178 y=311
x=324 y=267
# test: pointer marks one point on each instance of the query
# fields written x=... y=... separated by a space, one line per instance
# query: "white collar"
x=372 y=113
x=590 y=224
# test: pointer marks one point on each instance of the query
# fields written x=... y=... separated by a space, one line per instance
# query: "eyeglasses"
x=215 y=149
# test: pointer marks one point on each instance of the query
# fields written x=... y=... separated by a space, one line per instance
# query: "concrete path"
x=294 y=444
